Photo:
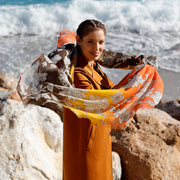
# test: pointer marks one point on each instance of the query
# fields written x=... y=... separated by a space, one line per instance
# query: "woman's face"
x=92 y=45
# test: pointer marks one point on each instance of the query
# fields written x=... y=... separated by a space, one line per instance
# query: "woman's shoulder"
x=80 y=71
x=82 y=79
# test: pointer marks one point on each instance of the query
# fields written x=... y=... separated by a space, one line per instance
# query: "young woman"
x=87 y=147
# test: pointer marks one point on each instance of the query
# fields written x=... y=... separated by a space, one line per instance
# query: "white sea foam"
x=147 y=27
x=135 y=16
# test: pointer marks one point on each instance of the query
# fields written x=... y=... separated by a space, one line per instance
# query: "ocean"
x=150 y=27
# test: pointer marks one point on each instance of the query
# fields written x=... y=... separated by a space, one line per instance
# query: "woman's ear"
x=78 y=40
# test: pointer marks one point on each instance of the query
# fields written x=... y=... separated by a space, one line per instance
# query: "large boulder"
x=31 y=140
x=149 y=147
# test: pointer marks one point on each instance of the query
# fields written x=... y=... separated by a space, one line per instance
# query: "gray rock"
x=171 y=107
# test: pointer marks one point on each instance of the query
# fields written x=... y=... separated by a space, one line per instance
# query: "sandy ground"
x=171 y=84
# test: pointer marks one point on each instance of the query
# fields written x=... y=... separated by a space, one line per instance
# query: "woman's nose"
x=96 y=46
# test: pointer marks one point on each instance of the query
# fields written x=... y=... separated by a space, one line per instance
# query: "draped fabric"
x=47 y=82
x=66 y=36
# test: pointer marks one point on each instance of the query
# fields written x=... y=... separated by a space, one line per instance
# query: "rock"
x=171 y=107
x=13 y=94
x=3 y=100
x=9 y=83
x=31 y=140
x=149 y=147
x=31 y=143
x=116 y=166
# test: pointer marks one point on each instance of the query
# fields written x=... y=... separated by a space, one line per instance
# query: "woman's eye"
x=101 y=42
x=89 y=41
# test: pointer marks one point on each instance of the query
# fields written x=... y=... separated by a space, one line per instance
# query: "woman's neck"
x=91 y=63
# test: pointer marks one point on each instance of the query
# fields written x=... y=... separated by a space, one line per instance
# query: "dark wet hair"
x=88 y=26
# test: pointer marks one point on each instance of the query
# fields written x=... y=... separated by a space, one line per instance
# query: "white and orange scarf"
x=48 y=82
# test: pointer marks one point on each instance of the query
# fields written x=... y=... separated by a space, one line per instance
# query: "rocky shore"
x=31 y=141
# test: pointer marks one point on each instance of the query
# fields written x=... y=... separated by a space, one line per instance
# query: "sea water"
x=30 y=28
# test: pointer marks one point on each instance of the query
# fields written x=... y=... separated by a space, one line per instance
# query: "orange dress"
x=87 y=153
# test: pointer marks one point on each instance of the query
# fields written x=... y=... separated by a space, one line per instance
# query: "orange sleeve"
x=81 y=81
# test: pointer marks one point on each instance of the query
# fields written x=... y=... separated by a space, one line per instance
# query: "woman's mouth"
x=95 y=54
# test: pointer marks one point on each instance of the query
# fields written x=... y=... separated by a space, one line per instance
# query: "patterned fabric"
x=47 y=82
x=66 y=36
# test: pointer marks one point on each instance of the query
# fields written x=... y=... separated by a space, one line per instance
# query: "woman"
x=87 y=147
